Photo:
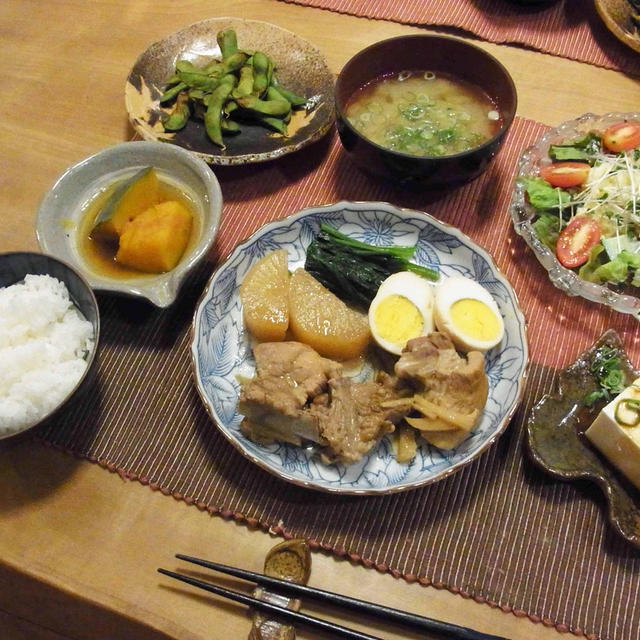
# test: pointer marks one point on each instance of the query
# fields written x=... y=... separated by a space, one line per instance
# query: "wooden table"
x=79 y=546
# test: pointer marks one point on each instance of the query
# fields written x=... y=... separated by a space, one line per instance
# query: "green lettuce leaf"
x=588 y=269
x=632 y=259
x=547 y=228
x=583 y=149
x=561 y=153
x=543 y=196
x=615 y=271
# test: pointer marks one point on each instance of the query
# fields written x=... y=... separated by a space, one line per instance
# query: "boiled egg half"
x=466 y=312
x=401 y=310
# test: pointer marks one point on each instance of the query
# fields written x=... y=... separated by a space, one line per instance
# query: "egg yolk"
x=397 y=319
x=475 y=319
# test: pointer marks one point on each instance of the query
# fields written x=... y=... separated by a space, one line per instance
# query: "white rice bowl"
x=44 y=346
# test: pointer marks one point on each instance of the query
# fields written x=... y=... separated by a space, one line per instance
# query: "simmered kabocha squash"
x=135 y=195
x=155 y=240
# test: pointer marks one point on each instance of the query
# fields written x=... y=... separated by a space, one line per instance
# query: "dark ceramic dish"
x=555 y=434
x=15 y=266
x=432 y=53
x=300 y=66
x=616 y=15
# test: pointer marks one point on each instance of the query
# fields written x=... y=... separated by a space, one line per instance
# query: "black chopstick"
x=336 y=630
x=448 y=630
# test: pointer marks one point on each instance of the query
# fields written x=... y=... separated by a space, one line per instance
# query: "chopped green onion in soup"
x=423 y=113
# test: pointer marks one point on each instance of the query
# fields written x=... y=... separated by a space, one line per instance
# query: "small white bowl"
x=61 y=211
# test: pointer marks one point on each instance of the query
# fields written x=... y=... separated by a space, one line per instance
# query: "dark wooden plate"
x=555 y=435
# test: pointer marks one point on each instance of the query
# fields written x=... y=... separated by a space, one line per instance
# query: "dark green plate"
x=555 y=433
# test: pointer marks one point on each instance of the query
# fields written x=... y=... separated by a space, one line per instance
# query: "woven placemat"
x=499 y=531
x=568 y=28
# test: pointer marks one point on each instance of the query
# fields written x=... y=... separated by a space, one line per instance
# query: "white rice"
x=44 y=340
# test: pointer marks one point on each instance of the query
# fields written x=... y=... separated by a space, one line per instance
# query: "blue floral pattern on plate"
x=221 y=348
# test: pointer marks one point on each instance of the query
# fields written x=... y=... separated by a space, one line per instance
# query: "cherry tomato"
x=565 y=174
x=576 y=240
x=621 y=136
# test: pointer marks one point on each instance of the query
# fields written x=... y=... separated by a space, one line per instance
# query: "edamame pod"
x=264 y=107
x=274 y=123
x=198 y=80
x=229 y=126
x=241 y=85
x=230 y=79
x=213 y=114
x=274 y=93
x=172 y=92
x=228 y=43
x=230 y=107
x=180 y=114
x=234 y=62
x=245 y=82
x=261 y=77
x=186 y=66
x=293 y=98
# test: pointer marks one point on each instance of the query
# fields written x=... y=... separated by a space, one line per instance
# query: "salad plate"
x=300 y=67
x=221 y=349
x=624 y=299
x=556 y=442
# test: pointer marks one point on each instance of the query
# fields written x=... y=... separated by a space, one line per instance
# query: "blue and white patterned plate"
x=221 y=348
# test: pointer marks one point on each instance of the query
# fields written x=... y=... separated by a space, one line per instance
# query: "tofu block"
x=616 y=432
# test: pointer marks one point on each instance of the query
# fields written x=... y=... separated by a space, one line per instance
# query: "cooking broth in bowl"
x=423 y=113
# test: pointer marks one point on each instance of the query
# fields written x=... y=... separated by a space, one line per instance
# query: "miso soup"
x=424 y=113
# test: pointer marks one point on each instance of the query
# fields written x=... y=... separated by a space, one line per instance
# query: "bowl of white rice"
x=49 y=332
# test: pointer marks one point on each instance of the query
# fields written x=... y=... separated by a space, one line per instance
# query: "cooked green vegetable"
x=245 y=82
x=253 y=88
x=293 y=98
x=261 y=72
x=276 y=124
x=228 y=42
x=354 y=270
x=213 y=115
x=172 y=92
x=177 y=119
x=264 y=107
x=606 y=368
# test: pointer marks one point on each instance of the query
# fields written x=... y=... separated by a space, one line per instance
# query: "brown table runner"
x=569 y=28
x=499 y=531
